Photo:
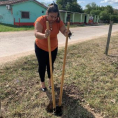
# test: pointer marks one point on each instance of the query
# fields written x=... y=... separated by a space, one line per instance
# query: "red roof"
x=10 y=2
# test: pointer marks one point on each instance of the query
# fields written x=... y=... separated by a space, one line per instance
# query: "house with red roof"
x=21 y=12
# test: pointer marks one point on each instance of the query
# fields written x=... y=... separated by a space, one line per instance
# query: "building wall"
x=5 y=15
x=34 y=9
x=79 y=18
x=71 y=17
x=83 y=18
x=8 y=16
x=76 y=19
x=62 y=16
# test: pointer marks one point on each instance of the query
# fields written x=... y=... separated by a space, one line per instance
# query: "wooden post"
x=64 y=62
x=109 y=36
x=0 y=110
x=19 y=21
x=51 y=73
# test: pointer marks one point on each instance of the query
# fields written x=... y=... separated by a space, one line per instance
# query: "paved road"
x=12 y=43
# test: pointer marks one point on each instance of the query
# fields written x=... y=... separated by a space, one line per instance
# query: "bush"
x=114 y=18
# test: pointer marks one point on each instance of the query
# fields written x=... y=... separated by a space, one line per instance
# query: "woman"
x=41 y=42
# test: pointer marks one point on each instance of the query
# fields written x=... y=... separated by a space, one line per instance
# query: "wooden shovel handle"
x=65 y=53
x=51 y=73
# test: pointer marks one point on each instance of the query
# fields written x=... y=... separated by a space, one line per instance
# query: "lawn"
x=90 y=85
x=9 y=28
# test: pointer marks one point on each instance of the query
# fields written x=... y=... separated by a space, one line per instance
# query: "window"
x=24 y=14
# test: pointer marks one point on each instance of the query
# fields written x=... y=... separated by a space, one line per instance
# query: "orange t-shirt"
x=43 y=43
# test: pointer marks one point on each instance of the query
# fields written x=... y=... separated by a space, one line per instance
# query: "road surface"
x=13 y=44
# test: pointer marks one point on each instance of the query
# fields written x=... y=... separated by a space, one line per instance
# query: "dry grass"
x=91 y=79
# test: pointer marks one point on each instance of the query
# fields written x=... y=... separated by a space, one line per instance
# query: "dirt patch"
x=72 y=96
x=92 y=111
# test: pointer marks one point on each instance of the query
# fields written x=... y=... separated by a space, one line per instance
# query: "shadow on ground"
x=71 y=102
x=112 y=55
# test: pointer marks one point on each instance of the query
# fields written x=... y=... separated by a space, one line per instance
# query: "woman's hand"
x=47 y=33
x=67 y=33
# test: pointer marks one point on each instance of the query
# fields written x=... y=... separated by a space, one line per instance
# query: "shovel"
x=59 y=107
x=51 y=73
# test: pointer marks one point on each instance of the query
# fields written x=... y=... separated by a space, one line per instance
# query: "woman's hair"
x=54 y=8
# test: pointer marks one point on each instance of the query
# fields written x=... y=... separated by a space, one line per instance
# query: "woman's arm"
x=64 y=31
x=38 y=31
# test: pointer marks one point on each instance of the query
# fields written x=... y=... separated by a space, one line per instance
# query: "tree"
x=90 y=7
x=95 y=12
x=69 y=5
x=74 y=7
x=104 y=16
x=106 y=13
x=116 y=11
x=109 y=9
x=114 y=18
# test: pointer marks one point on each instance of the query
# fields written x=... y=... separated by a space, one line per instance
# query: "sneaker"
x=50 y=87
x=44 y=89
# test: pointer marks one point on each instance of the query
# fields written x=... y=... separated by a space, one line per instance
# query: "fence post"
x=108 y=38
x=0 y=110
x=14 y=21
x=19 y=21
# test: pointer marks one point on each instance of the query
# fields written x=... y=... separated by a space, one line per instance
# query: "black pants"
x=43 y=61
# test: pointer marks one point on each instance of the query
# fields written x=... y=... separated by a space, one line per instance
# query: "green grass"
x=91 y=79
x=9 y=28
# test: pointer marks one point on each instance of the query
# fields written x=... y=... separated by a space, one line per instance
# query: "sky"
x=83 y=3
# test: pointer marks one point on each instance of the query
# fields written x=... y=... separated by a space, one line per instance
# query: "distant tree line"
x=106 y=13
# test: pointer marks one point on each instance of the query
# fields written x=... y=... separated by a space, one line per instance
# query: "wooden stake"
x=109 y=36
x=51 y=73
x=0 y=109
x=62 y=80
